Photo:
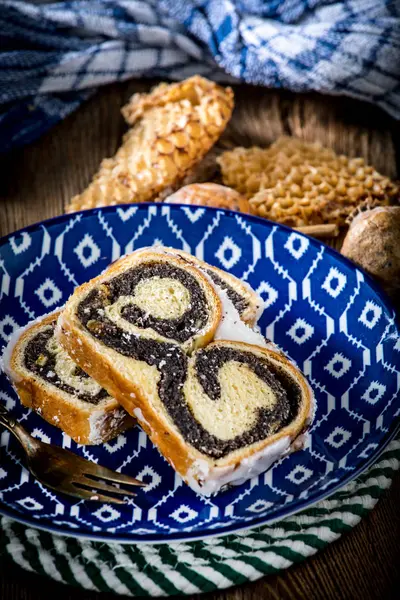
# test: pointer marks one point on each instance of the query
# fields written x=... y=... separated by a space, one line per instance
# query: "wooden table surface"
x=38 y=181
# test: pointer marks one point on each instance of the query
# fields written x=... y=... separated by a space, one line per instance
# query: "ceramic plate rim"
x=283 y=512
x=228 y=530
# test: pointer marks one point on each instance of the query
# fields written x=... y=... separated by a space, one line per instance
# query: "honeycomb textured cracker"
x=299 y=183
x=173 y=127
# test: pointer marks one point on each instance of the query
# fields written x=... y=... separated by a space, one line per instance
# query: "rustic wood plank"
x=40 y=179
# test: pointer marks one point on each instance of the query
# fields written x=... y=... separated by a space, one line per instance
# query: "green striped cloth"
x=193 y=567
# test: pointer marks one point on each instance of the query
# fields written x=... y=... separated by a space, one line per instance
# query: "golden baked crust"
x=134 y=382
x=251 y=313
x=210 y=194
x=168 y=440
x=105 y=364
x=101 y=366
x=139 y=259
x=298 y=183
x=74 y=418
x=173 y=128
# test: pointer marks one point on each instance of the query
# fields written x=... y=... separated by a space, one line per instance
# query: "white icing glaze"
x=214 y=478
x=139 y=416
x=102 y=422
x=58 y=330
x=231 y=328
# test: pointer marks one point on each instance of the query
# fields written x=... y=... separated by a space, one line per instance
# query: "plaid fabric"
x=55 y=55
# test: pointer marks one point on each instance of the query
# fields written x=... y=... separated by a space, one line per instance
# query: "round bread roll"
x=210 y=194
x=373 y=242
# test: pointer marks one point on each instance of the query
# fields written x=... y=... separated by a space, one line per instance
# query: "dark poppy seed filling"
x=237 y=300
x=180 y=329
x=286 y=390
x=172 y=363
x=39 y=360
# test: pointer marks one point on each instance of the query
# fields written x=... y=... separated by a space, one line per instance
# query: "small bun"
x=210 y=194
x=373 y=243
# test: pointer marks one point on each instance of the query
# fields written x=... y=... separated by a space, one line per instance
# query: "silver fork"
x=65 y=472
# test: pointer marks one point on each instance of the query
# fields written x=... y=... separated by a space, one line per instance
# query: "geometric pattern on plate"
x=356 y=412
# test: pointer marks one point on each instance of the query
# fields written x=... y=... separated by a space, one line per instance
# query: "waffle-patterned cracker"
x=298 y=183
x=173 y=127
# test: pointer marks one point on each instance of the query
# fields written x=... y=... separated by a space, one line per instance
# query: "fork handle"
x=25 y=439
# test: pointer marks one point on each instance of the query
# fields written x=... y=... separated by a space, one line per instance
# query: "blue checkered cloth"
x=53 y=56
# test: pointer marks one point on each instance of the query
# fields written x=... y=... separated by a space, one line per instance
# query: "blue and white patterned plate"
x=319 y=308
